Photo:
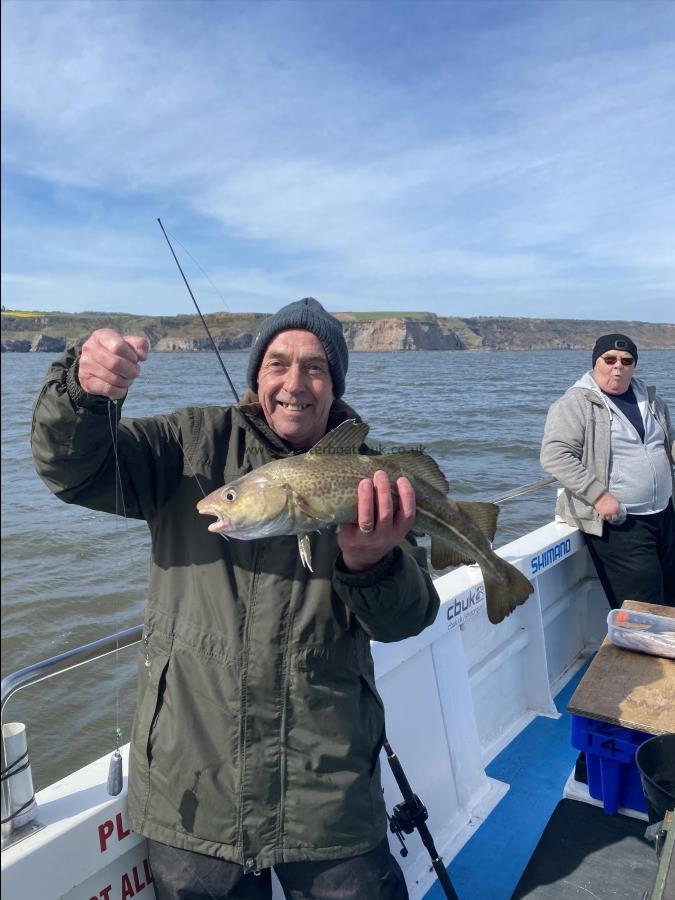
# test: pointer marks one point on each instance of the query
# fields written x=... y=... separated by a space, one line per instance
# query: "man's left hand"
x=379 y=528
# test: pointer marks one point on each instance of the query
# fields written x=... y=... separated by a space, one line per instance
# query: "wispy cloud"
x=466 y=158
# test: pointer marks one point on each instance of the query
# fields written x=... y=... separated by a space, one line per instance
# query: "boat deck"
x=535 y=765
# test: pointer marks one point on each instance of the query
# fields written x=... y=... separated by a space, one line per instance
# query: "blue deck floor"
x=536 y=765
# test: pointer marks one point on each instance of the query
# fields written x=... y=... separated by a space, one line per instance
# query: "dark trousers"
x=636 y=560
x=185 y=875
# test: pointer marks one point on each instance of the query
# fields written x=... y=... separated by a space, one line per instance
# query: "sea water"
x=71 y=576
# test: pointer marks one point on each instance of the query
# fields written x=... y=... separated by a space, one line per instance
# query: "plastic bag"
x=643 y=632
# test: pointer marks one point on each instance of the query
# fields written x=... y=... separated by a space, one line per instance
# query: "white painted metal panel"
x=85 y=836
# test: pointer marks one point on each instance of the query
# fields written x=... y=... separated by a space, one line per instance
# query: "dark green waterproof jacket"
x=258 y=726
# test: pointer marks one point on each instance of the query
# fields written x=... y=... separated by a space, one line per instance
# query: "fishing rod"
x=412 y=814
x=525 y=489
x=220 y=360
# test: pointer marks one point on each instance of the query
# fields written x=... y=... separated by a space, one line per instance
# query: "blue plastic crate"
x=613 y=776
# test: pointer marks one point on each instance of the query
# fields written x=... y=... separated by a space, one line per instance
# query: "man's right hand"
x=608 y=507
x=109 y=363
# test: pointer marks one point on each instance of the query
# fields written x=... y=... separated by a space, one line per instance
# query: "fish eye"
x=231 y=495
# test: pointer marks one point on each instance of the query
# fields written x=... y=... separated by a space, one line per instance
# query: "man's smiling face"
x=295 y=388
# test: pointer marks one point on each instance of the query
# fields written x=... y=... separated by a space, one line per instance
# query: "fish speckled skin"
x=318 y=489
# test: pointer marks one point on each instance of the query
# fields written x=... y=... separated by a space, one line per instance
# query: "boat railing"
x=48 y=668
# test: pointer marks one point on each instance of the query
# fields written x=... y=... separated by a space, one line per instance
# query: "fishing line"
x=115 y=774
x=188 y=461
x=115 y=771
x=185 y=456
x=204 y=273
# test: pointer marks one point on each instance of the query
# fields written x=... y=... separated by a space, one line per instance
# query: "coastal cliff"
x=386 y=334
x=370 y=332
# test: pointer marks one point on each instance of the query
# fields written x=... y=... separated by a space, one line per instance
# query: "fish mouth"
x=219 y=525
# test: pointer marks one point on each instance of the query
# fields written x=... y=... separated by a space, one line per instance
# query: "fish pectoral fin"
x=442 y=556
x=483 y=514
x=346 y=438
x=305 y=549
x=317 y=515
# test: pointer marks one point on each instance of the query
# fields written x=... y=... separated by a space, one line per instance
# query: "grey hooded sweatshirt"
x=591 y=447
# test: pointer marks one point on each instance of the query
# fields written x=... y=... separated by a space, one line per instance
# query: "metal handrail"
x=55 y=665
x=71 y=659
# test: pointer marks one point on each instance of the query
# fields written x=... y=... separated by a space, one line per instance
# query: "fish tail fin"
x=483 y=514
x=505 y=589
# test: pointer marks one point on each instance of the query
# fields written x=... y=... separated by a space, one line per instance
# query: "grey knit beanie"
x=309 y=315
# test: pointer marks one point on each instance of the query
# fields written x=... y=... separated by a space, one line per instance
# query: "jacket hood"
x=587 y=381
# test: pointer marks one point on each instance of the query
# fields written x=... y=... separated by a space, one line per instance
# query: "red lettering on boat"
x=104 y=832
x=104 y=894
x=121 y=831
x=127 y=890
x=139 y=887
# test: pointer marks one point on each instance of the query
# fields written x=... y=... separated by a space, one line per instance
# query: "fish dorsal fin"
x=346 y=438
x=423 y=467
x=483 y=514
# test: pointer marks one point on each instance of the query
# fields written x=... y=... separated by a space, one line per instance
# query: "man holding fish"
x=258 y=727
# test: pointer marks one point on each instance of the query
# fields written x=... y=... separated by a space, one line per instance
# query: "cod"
x=318 y=489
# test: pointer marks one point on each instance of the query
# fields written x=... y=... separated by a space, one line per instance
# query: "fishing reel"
x=406 y=817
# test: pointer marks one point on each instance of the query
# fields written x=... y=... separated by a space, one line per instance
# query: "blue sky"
x=463 y=158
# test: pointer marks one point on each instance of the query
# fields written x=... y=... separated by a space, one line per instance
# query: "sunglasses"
x=624 y=360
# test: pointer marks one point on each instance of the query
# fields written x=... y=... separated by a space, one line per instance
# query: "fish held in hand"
x=318 y=489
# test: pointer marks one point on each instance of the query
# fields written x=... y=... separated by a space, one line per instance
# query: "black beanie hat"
x=309 y=315
x=614 y=342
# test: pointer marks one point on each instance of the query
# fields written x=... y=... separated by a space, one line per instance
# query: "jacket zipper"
x=248 y=861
